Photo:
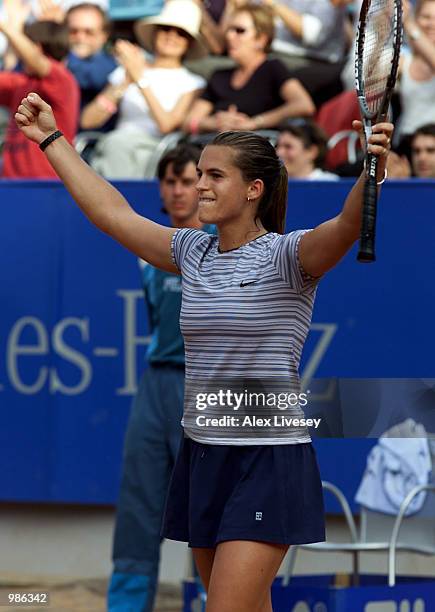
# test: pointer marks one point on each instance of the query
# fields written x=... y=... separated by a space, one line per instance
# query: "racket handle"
x=366 y=253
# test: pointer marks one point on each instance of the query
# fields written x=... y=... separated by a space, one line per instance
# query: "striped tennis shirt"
x=245 y=316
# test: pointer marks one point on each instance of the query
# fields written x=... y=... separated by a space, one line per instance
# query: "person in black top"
x=258 y=93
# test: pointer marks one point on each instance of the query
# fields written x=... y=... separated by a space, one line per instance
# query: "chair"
x=379 y=532
x=167 y=143
x=84 y=143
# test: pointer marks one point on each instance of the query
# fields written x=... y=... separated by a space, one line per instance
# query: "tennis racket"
x=379 y=37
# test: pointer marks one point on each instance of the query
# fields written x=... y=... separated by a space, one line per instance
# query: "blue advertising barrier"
x=320 y=594
x=73 y=330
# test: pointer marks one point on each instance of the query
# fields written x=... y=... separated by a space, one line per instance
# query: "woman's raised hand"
x=132 y=58
x=16 y=13
x=35 y=118
x=408 y=13
x=50 y=11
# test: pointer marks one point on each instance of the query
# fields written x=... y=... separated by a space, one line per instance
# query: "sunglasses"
x=237 y=29
x=179 y=31
x=86 y=31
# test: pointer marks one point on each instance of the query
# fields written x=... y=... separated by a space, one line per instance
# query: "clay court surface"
x=77 y=595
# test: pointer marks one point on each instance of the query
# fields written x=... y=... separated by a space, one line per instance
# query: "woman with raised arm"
x=241 y=493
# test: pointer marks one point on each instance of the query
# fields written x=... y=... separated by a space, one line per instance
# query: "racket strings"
x=378 y=51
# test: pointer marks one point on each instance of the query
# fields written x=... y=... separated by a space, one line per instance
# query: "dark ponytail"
x=272 y=211
x=256 y=158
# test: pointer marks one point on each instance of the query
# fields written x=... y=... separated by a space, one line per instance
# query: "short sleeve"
x=52 y=85
x=9 y=82
x=209 y=92
x=147 y=272
x=117 y=76
x=216 y=86
x=285 y=256
x=185 y=242
x=194 y=82
x=280 y=72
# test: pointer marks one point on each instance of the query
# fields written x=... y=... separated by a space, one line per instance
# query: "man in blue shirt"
x=89 y=29
x=154 y=430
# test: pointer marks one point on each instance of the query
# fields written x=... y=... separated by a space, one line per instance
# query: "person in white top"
x=151 y=99
x=417 y=69
x=302 y=146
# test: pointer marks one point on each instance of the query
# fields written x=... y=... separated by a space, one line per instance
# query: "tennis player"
x=239 y=496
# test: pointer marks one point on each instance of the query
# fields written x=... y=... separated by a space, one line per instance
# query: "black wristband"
x=44 y=144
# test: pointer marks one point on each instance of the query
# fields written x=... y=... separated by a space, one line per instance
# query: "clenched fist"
x=35 y=118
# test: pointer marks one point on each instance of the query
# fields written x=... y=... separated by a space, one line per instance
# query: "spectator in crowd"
x=312 y=37
x=417 y=69
x=89 y=29
x=302 y=147
x=154 y=429
x=420 y=148
x=423 y=151
x=152 y=99
x=41 y=47
x=214 y=17
x=398 y=165
x=258 y=93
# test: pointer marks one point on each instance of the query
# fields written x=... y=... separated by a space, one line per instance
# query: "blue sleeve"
x=285 y=256
x=147 y=275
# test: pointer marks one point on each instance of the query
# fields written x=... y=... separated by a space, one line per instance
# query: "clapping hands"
x=231 y=119
x=131 y=57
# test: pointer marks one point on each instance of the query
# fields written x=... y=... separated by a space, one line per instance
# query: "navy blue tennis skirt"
x=258 y=493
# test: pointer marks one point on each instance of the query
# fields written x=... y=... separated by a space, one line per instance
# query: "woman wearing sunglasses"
x=258 y=93
x=151 y=99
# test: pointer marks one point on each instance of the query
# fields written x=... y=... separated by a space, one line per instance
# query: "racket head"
x=377 y=54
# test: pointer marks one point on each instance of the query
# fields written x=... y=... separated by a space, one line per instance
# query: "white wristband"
x=414 y=34
x=143 y=82
x=383 y=180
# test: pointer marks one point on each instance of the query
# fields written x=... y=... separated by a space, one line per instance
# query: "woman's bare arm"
x=168 y=121
x=200 y=118
x=26 y=50
x=104 y=206
x=321 y=249
x=298 y=103
x=103 y=106
x=211 y=31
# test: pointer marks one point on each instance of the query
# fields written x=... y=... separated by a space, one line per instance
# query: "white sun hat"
x=183 y=14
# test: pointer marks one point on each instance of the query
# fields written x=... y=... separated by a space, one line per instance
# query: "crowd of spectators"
x=195 y=68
